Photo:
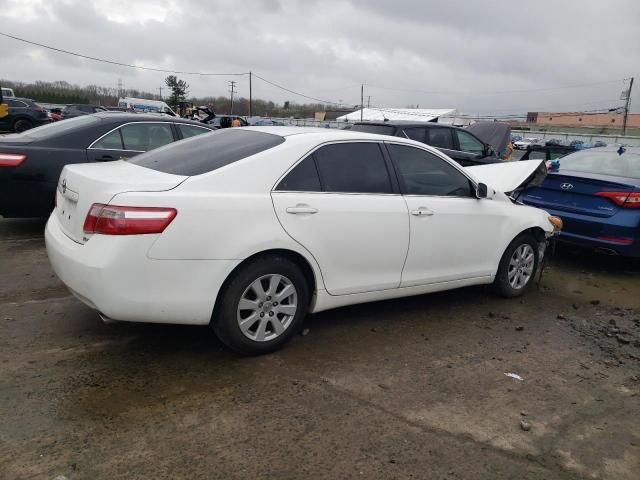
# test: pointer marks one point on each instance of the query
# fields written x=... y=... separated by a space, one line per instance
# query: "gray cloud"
x=432 y=53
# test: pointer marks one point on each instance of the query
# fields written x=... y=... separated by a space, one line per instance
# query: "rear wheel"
x=21 y=125
x=262 y=306
x=518 y=266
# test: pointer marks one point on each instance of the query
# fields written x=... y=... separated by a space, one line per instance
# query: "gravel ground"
x=410 y=388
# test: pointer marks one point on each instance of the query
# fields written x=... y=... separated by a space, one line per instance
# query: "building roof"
x=410 y=114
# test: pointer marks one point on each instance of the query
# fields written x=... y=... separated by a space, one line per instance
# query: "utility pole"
x=232 y=89
x=368 y=101
x=361 y=100
x=120 y=88
x=160 y=88
x=626 y=107
x=250 y=95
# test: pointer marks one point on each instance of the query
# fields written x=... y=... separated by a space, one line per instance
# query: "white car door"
x=343 y=206
x=454 y=235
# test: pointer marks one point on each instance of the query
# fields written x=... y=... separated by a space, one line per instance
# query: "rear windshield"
x=379 y=129
x=603 y=163
x=60 y=128
x=207 y=152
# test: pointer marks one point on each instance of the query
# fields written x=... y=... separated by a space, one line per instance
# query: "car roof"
x=115 y=115
x=327 y=134
x=404 y=123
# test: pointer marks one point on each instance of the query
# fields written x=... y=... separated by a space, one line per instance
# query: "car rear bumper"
x=601 y=234
x=113 y=275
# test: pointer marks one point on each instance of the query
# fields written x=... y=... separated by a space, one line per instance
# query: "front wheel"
x=262 y=306
x=518 y=267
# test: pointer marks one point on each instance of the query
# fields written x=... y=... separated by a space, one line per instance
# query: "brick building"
x=573 y=119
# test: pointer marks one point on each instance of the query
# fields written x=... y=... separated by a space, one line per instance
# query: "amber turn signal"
x=556 y=222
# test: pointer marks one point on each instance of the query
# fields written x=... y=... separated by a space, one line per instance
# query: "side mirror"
x=482 y=191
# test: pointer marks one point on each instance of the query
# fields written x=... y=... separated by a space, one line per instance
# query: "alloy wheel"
x=267 y=307
x=521 y=266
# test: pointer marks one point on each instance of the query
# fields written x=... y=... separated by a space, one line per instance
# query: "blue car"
x=596 y=192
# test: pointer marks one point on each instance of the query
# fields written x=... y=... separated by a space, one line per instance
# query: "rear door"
x=341 y=204
x=130 y=140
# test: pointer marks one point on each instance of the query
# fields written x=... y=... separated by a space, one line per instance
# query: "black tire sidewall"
x=224 y=321
x=501 y=283
x=28 y=124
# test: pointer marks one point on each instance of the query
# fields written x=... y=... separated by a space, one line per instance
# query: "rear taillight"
x=11 y=159
x=119 y=220
x=622 y=199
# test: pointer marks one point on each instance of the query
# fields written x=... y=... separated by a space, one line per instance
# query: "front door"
x=340 y=204
x=453 y=233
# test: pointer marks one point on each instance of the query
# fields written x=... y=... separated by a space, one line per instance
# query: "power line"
x=113 y=62
x=295 y=93
x=496 y=92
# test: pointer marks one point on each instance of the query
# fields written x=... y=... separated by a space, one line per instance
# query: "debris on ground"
x=524 y=425
x=514 y=375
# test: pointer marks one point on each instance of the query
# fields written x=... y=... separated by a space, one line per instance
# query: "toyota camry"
x=248 y=230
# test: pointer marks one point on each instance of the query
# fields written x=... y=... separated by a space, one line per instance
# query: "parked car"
x=225 y=121
x=524 y=143
x=463 y=146
x=597 y=194
x=553 y=141
x=55 y=114
x=599 y=143
x=31 y=162
x=515 y=138
x=77 y=110
x=249 y=229
x=547 y=152
x=24 y=114
x=8 y=92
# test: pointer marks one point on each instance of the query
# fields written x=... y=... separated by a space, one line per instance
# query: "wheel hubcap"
x=521 y=266
x=267 y=307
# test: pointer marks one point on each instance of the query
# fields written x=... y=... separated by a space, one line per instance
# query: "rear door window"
x=111 y=141
x=440 y=137
x=141 y=137
x=303 y=178
x=417 y=134
x=191 y=130
x=353 y=168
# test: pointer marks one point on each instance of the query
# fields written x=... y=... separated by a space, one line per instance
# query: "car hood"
x=509 y=177
x=496 y=134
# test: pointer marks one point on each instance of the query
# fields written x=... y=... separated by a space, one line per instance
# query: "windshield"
x=379 y=129
x=61 y=127
x=603 y=163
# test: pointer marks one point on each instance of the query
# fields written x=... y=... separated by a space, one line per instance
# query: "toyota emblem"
x=566 y=186
x=64 y=186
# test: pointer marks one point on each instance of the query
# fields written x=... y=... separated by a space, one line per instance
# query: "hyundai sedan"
x=248 y=230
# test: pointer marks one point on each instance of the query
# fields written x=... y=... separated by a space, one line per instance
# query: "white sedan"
x=250 y=229
x=525 y=143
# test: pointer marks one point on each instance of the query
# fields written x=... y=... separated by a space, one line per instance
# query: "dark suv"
x=71 y=111
x=24 y=114
x=461 y=145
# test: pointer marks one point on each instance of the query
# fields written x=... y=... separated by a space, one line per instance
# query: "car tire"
x=21 y=125
x=273 y=314
x=518 y=267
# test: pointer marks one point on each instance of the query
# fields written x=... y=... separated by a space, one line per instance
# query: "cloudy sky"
x=480 y=56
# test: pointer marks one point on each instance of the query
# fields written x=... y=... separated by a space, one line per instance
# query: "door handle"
x=422 y=212
x=104 y=158
x=301 y=209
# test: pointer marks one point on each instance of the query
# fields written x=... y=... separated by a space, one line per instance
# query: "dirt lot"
x=412 y=388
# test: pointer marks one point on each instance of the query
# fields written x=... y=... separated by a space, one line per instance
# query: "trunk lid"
x=575 y=192
x=82 y=185
x=509 y=177
x=14 y=139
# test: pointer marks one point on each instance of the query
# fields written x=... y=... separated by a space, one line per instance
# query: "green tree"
x=179 y=89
